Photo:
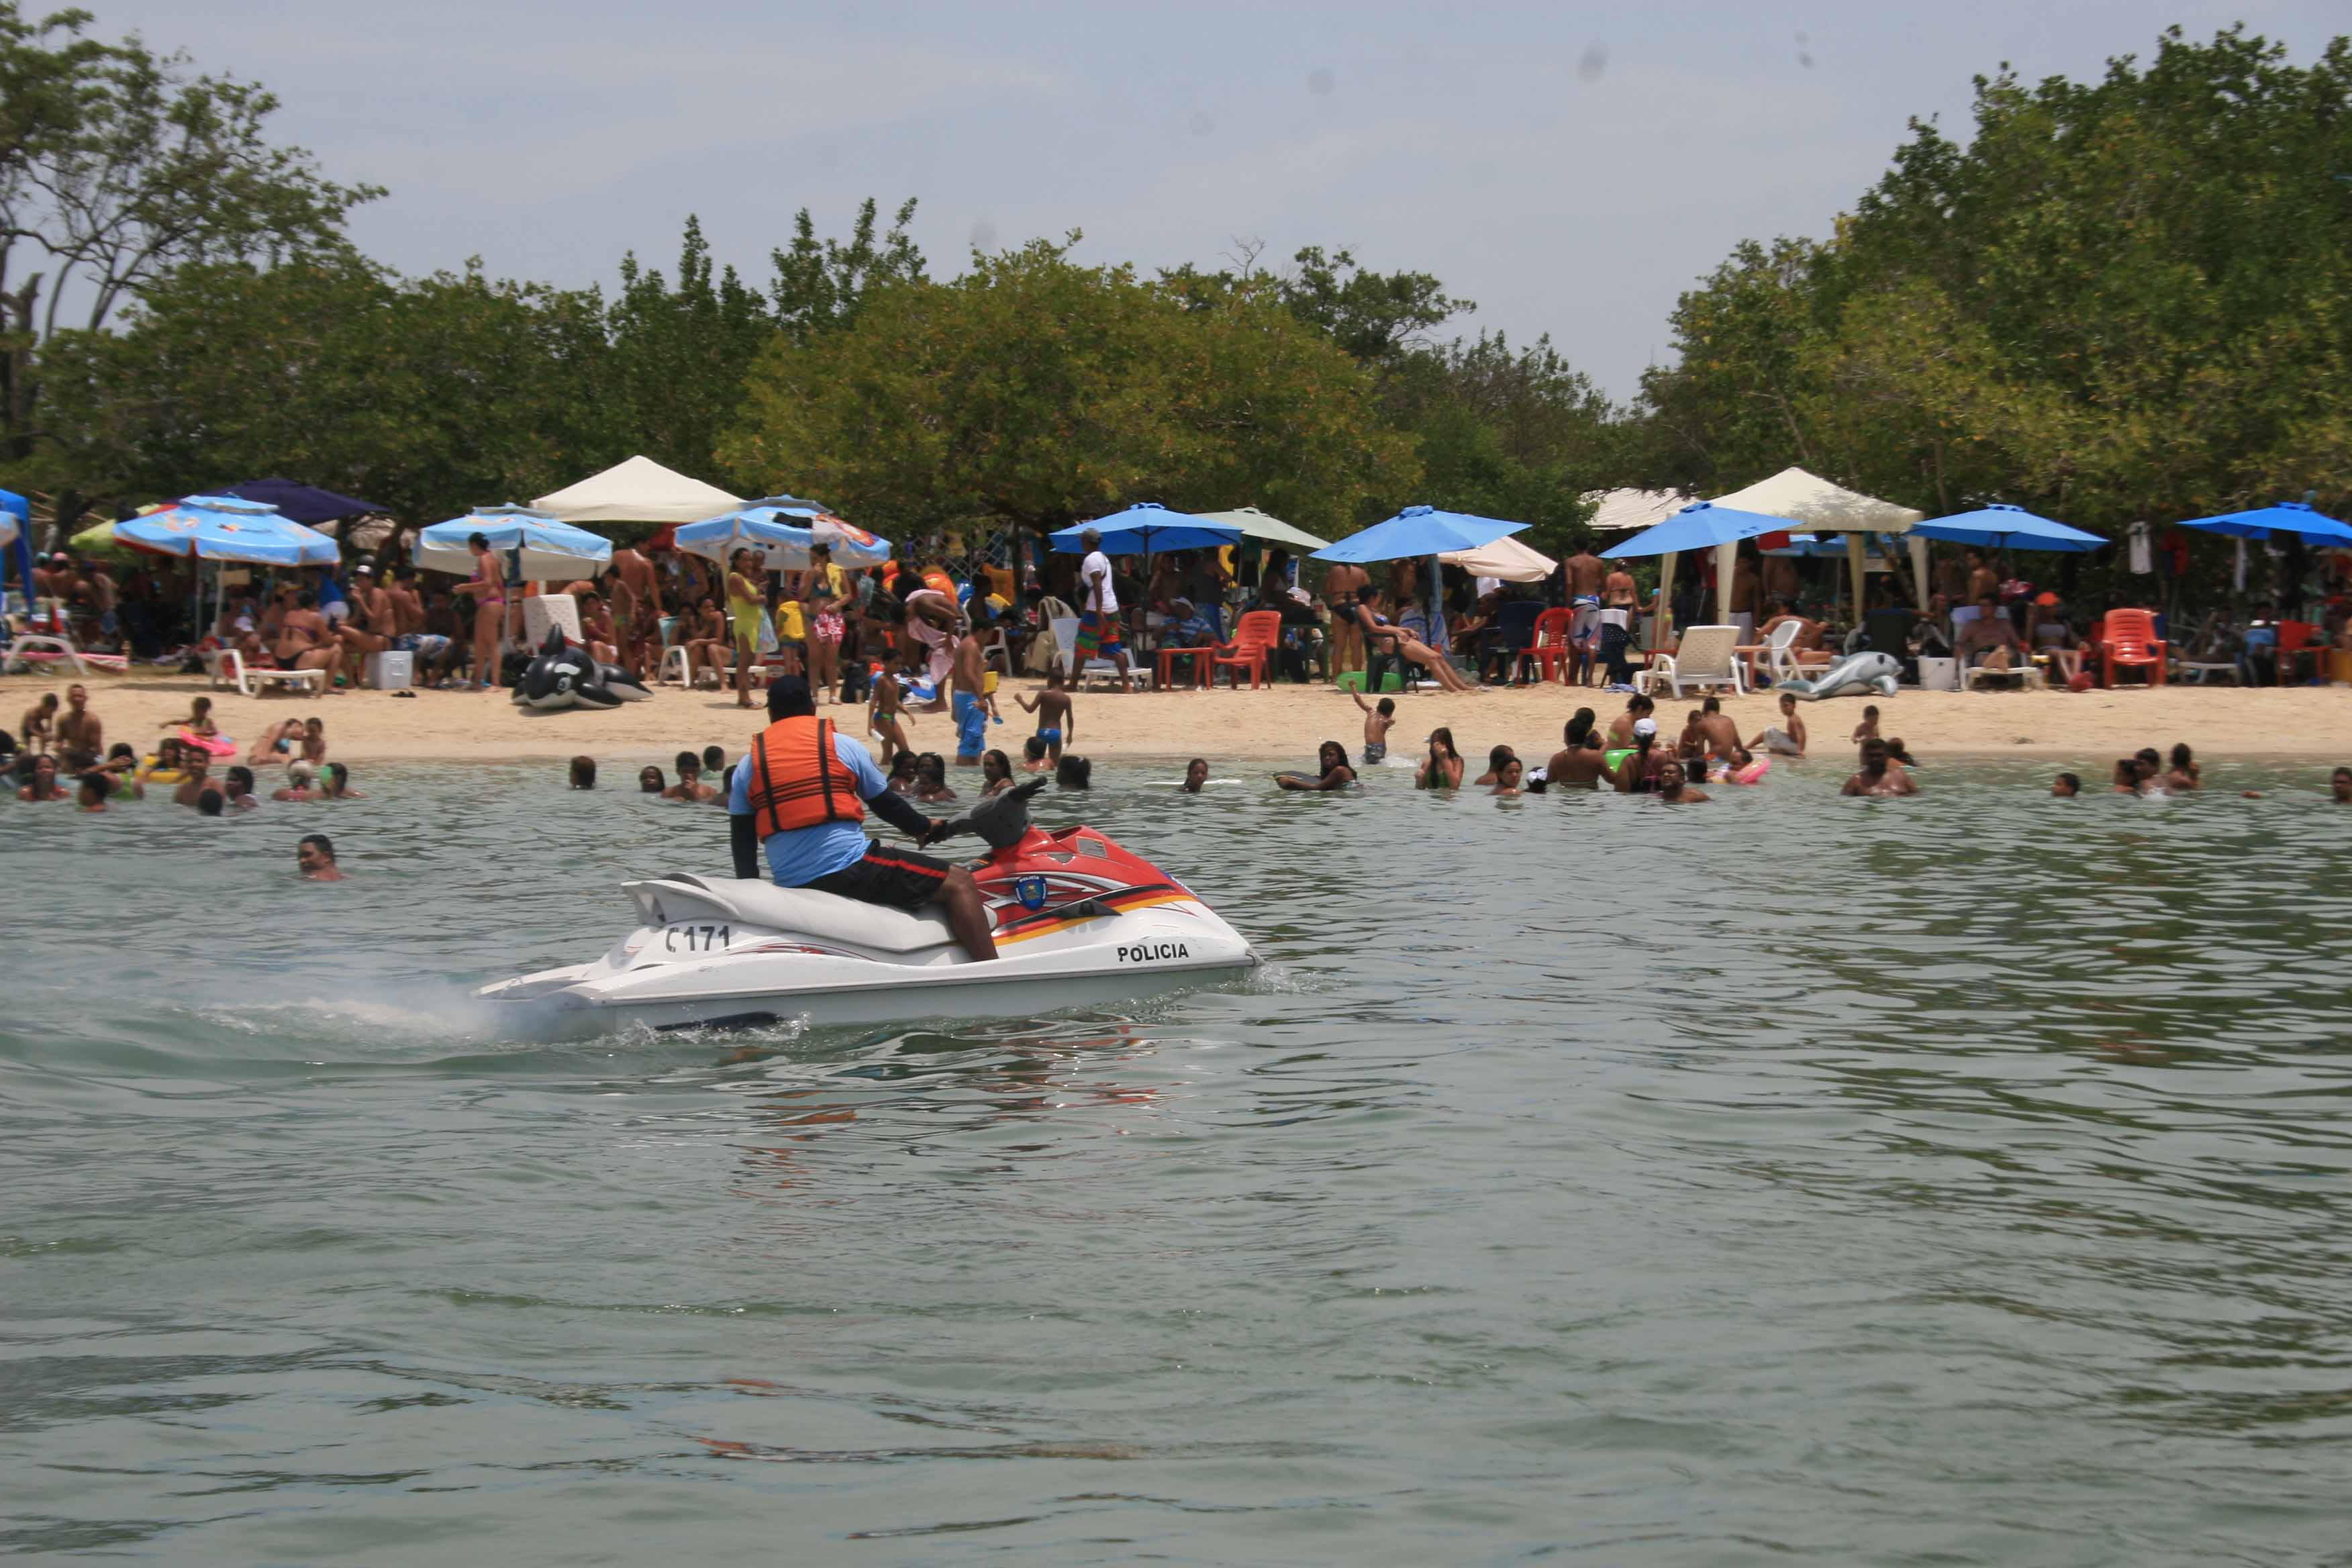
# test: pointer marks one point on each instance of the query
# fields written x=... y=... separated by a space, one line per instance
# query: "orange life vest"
x=798 y=780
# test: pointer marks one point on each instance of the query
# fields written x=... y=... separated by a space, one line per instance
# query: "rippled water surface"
x=1953 y=1180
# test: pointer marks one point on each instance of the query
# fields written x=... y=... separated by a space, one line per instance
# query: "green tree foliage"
x=1036 y=392
x=118 y=167
x=2119 y=299
x=680 y=354
x=821 y=284
x=428 y=395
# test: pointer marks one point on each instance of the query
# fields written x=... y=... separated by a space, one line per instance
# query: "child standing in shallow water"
x=1868 y=729
x=1376 y=727
x=1057 y=719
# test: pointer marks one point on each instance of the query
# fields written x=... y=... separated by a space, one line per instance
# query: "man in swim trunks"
x=971 y=695
x=432 y=650
x=1586 y=571
x=1099 y=625
x=1721 y=734
x=81 y=739
x=799 y=800
x=637 y=607
x=1057 y=717
x=378 y=622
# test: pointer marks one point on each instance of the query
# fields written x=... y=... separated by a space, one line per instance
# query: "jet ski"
x=1078 y=921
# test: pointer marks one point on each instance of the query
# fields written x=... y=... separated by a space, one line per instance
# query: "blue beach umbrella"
x=1699 y=526
x=1146 y=528
x=227 y=528
x=783 y=529
x=1999 y=527
x=1418 y=531
x=536 y=545
x=2286 y=517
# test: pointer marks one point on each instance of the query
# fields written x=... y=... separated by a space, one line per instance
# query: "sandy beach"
x=1281 y=724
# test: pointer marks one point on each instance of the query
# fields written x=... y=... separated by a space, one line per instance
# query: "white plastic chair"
x=673 y=654
x=1777 y=658
x=1704 y=658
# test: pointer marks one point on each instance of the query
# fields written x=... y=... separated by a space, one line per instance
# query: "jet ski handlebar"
x=1000 y=820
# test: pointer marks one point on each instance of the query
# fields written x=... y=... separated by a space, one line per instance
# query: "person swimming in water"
x=995 y=773
x=931 y=778
x=1441 y=769
x=1674 y=785
x=1332 y=772
x=1196 y=774
x=1032 y=756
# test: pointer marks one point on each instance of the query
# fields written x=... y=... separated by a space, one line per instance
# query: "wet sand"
x=1281 y=724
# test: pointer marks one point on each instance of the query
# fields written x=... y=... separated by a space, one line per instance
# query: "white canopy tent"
x=1620 y=510
x=639 y=491
x=1827 y=508
x=1504 y=558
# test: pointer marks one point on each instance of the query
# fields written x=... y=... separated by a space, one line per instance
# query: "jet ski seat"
x=876 y=927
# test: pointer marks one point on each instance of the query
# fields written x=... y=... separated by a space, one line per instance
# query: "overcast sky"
x=1570 y=167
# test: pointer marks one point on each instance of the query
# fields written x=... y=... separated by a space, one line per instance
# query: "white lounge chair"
x=1066 y=643
x=36 y=649
x=1704 y=658
x=251 y=682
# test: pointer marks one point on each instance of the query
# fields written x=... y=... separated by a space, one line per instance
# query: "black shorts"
x=899 y=877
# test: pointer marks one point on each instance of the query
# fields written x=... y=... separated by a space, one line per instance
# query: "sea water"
x=1961 y=1178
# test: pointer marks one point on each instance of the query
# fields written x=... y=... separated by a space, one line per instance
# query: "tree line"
x=2119 y=299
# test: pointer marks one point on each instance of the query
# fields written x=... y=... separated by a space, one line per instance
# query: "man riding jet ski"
x=842 y=931
x=800 y=795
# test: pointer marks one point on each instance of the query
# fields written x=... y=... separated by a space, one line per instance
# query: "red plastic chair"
x=1549 y=650
x=1255 y=639
x=2299 y=640
x=2128 y=641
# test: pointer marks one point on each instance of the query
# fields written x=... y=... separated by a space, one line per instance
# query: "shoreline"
x=1280 y=724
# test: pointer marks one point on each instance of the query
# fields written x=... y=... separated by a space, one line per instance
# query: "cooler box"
x=1939 y=675
x=544 y=610
x=389 y=671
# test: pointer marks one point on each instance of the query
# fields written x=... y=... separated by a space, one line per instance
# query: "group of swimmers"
x=1629 y=756
x=61 y=746
x=920 y=776
x=2148 y=773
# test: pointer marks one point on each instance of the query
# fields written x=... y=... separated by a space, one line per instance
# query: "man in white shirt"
x=1098 y=611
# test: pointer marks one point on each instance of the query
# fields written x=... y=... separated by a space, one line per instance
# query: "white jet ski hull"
x=717 y=954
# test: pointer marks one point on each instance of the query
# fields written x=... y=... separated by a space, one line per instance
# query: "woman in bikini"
x=1377 y=628
x=488 y=589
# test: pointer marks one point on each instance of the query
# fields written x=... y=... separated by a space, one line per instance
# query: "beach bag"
x=767 y=642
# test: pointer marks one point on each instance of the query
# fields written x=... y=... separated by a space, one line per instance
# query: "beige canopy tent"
x=1825 y=508
x=639 y=491
x=1256 y=524
x=1504 y=558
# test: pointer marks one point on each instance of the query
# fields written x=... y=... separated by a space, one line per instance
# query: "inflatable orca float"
x=1851 y=675
x=565 y=676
